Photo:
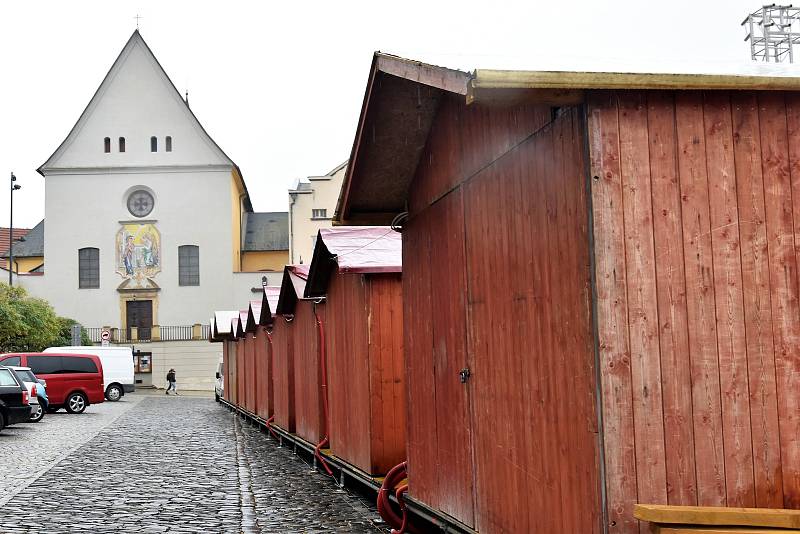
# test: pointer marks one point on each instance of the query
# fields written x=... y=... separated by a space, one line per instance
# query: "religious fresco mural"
x=138 y=254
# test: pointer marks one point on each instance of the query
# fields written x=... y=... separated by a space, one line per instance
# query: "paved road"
x=164 y=464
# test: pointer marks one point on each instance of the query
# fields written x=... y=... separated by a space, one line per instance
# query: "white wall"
x=195 y=363
x=191 y=208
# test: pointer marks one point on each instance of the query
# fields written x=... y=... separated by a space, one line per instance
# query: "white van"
x=117 y=367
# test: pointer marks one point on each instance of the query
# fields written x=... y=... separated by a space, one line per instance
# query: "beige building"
x=311 y=206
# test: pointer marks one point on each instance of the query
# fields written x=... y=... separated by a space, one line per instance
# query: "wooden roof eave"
x=561 y=87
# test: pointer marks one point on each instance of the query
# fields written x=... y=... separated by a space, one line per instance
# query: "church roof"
x=5 y=235
x=32 y=245
x=266 y=231
x=136 y=40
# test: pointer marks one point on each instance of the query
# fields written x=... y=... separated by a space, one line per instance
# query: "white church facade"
x=149 y=223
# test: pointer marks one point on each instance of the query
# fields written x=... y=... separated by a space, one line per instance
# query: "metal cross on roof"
x=137 y=17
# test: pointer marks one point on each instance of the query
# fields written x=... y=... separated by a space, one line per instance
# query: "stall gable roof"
x=292 y=288
x=353 y=249
x=269 y=303
x=402 y=97
x=223 y=322
x=253 y=315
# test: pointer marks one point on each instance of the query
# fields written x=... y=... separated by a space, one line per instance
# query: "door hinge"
x=464 y=375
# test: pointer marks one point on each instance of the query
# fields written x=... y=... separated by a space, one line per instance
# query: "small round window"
x=140 y=203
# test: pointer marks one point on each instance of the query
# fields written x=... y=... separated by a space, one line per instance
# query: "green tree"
x=30 y=324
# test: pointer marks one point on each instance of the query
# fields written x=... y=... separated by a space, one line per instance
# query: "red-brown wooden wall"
x=240 y=373
x=697 y=218
x=249 y=375
x=284 y=377
x=309 y=417
x=231 y=385
x=264 y=395
x=225 y=372
x=366 y=376
x=496 y=279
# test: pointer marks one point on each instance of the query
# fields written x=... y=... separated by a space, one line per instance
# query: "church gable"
x=136 y=118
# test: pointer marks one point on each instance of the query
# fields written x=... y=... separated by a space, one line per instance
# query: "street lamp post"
x=14 y=187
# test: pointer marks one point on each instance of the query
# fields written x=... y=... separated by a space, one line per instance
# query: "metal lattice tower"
x=773 y=31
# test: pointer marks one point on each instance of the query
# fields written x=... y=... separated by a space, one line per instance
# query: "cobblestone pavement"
x=182 y=465
x=28 y=450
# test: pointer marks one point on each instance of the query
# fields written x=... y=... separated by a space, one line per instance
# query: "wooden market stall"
x=221 y=332
x=358 y=271
x=600 y=288
x=307 y=391
x=283 y=348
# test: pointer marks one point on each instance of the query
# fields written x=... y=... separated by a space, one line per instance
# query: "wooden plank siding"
x=695 y=232
x=249 y=372
x=226 y=356
x=264 y=408
x=239 y=376
x=284 y=373
x=309 y=417
x=366 y=374
x=496 y=280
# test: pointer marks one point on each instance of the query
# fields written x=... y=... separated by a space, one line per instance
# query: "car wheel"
x=76 y=403
x=114 y=393
x=38 y=414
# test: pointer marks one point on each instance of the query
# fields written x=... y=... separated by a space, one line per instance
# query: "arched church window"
x=188 y=265
x=107 y=145
x=154 y=144
x=88 y=268
x=168 y=143
x=122 y=144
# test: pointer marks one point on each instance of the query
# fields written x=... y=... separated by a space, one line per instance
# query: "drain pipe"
x=272 y=377
x=323 y=362
x=399 y=496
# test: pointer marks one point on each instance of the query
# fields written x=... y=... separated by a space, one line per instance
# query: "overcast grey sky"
x=279 y=85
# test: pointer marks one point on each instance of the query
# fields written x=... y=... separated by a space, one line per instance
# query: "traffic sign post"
x=105 y=337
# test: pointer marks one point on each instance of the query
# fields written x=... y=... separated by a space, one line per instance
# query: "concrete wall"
x=302 y=227
x=195 y=363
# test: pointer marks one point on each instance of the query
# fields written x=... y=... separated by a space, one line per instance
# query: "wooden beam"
x=656 y=529
x=509 y=79
x=514 y=96
x=454 y=81
x=713 y=515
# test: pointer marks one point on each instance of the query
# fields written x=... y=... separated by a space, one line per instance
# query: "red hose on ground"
x=272 y=377
x=324 y=385
x=385 y=509
x=399 y=495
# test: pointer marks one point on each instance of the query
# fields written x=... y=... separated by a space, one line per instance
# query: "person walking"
x=172 y=383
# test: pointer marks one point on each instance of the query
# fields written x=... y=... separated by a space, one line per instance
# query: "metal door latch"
x=464 y=375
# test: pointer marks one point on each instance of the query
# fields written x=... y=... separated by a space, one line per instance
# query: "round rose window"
x=140 y=203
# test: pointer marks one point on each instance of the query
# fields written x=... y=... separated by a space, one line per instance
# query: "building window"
x=88 y=268
x=122 y=144
x=188 y=265
x=319 y=214
x=140 y=203
x=107 y=145
x=154 y=144
x=168 y=143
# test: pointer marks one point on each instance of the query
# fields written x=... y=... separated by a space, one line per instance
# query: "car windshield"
x=26 y=376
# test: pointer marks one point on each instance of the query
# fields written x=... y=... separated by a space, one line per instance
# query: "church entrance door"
x=139 y=313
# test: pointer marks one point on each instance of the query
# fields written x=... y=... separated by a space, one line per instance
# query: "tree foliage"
x=31 y=324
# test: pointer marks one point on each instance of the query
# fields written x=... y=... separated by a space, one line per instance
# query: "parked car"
x=74 y=381
x=117 y=367
x=14 y=401
x=219 y=385
x=35 y=392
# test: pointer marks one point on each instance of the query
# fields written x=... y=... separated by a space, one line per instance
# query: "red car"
x=74 y=381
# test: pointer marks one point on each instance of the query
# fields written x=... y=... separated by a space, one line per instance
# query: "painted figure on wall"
x=138 y=253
